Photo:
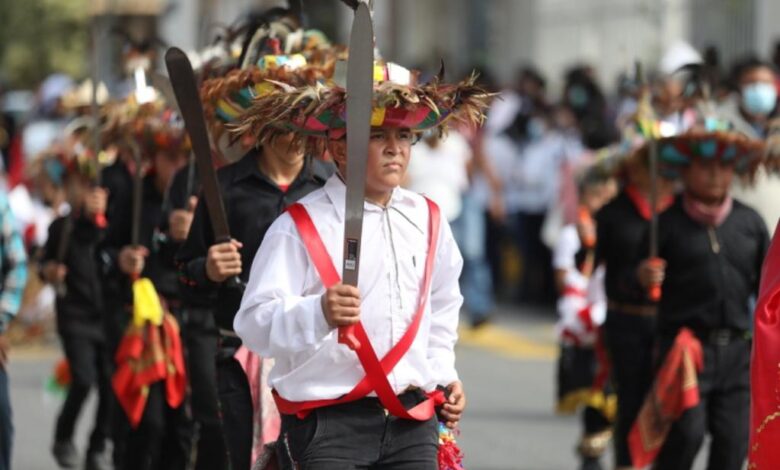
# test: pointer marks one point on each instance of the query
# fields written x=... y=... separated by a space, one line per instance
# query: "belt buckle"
x=721 y=337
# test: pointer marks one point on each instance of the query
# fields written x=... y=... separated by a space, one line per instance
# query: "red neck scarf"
x=643 y=205
x=711 y=216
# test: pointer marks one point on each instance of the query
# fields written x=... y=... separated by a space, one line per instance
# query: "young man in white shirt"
x=406 y=306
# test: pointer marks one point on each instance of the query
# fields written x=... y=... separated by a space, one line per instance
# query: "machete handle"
x=234 y=283
x=100 y=220
x=347 y=336
x=654 y=291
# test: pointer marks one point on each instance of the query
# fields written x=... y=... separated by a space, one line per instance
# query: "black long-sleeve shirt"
x=711 y=272
x=80 y=311
x=621 y=246
x=252 y=202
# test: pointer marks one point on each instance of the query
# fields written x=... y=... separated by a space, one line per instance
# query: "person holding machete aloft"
x=255 y=189
x=224 y=97
x=342 y=408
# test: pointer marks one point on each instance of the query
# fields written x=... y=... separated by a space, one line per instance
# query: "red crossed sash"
x=376 y=370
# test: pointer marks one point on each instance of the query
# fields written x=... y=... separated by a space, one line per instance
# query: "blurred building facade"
x=497 y=34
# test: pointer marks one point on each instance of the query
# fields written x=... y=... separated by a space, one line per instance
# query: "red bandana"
x=642 y=205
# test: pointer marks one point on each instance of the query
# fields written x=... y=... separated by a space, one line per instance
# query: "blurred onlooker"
x=583 y=96
x=441 y=168
x=755 y=99
x=437 y=168
x=8 y=132
x=525 y=99
x=528 y=157
x=750 y=110
x=50 y=119
x=13 y=261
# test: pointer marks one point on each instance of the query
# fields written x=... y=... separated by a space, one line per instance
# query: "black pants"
x=161 y=440
x=537 y=283
x=630 y=341
x=237 y=411
x=359 y=435
x=200 y=339
x=89 y=366
x=724 y=412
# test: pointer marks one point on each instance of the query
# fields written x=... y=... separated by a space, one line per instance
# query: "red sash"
x=376 y=371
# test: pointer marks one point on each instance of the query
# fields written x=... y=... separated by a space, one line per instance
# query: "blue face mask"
x=535 y=128
x=578 y=96
x=759 y=98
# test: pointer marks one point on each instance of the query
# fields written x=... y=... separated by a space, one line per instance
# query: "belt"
x=227 y=333
x=633 y=309
x=722 y=336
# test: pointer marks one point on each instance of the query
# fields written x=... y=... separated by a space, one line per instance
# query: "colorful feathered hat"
x=713 y=139
x=275 y=50
x=399 y=101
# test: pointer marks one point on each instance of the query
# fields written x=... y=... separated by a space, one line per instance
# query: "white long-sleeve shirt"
x=281 y=316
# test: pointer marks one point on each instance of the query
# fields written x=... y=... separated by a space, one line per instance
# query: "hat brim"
x=319 y=109
x=731 y=148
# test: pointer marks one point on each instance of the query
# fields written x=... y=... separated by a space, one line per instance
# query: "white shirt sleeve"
x=446 y=301
x=279 y=313
x=566 y=249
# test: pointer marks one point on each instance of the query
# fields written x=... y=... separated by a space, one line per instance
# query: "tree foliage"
x=40 y=37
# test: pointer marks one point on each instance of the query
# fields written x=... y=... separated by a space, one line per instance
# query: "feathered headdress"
x=399 y=101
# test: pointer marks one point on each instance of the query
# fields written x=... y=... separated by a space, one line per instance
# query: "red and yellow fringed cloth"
x=764 y=452
x=676 y=389
x=148 y=354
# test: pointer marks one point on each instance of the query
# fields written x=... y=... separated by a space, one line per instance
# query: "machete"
x=360 y=87
x=654 y=292
x=186 y=90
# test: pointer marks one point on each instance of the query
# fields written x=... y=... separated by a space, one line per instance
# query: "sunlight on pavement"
x=507 y=343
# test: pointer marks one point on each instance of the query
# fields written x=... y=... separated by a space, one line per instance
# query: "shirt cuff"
x=444 y=370
x=321 y=327
x=196 y=269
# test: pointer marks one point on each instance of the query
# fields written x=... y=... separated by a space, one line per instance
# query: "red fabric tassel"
x=450 y=456
x=764 y=453
x=675 y=390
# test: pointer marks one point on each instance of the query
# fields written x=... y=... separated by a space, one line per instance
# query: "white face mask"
x=759 y=98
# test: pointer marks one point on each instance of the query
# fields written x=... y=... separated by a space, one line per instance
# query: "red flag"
x=145 y=357
x=675 y=390
x=764 y=452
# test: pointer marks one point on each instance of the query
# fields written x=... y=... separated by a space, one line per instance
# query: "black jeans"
x=235 y=401
x=89 y=366
x=161 y=440
x=358 y=435
x=630 y=342
x=200 y=338
x=6 y=422
x=724 y=412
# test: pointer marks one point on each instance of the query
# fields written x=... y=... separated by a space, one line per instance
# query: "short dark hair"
x=747 y=65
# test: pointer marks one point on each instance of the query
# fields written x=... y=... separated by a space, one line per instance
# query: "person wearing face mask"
x=751 y=109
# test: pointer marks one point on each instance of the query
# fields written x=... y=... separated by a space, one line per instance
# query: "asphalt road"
x=508 y=370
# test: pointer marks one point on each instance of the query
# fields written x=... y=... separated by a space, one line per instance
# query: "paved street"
x=508 y=370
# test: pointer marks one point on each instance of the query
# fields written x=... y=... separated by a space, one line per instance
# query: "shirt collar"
x=247 y=167
x=337 y=193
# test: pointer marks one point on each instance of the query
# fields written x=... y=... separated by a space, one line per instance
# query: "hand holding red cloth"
x=764 y=452
x=676 y=389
